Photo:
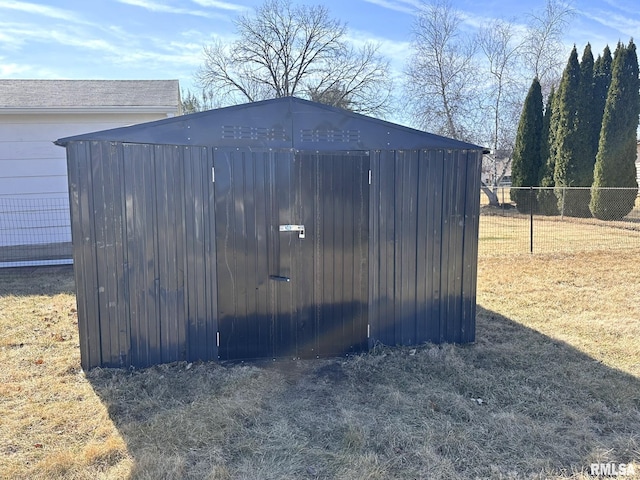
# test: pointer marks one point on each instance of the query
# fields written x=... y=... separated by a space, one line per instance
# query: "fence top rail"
x=560 y=187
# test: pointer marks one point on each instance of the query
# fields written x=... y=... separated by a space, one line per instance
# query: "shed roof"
x=278 y=123
x=78 y=94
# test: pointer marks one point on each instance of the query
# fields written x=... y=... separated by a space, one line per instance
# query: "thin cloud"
x=11 y=69
x=157 y=52
x=397 y=52
x=18 y=35
x=221 y=5
x=17 y=70
x=12 y=35
x=179 y=61
x=391 y=48
x=71 y=40
x=404 y=6
x=36 y=9
x=617 y=22
x=623 y=6
x=162 y=8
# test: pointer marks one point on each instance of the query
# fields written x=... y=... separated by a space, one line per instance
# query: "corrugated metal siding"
x=162 y=252
x=201 y=285
x=470 y=253
x=243 y=206
x=83 y=234
x=424 y=224
x=341 y=250
x=142 y=231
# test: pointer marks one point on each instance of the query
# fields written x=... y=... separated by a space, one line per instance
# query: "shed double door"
x=291 y=253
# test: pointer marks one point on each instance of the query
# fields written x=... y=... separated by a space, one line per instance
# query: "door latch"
x=293 y=228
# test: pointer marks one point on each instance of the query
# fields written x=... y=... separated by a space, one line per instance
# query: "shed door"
x=292 y=248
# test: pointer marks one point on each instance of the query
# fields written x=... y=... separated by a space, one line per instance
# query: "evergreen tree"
x=601 y=82
x=615 y=162
x=580 y=168
x=192 y=104
x=547 y=202
x=566 y=140
x=545 y=151
x=527 y=158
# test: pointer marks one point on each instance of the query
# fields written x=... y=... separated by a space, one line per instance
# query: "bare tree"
x=472 y=87
x=543 y=50
x=441 y=75
x=501 y=99
x=284 y=49
x=355 y=79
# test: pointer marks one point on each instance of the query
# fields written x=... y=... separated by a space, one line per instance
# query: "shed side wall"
x=472 y=226
x=423 y=247
x=84 y=259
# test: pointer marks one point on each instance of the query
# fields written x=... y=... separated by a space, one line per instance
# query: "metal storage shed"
x=281 y=228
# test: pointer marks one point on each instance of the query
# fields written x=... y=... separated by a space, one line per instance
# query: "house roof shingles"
x=70 y=94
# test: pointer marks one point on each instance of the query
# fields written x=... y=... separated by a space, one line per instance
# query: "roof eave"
x=169 y=110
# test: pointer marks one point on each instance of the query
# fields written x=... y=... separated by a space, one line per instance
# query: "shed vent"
x=340 y=136
x=239 y=132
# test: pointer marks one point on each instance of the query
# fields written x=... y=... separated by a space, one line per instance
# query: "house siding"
x=30 y=163
x=33 y=177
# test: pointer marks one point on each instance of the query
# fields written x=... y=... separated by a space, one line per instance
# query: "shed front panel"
x=424 y=232
x=292 y=240
x=144 y=249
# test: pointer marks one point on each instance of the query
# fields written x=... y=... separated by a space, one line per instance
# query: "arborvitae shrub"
x=615 y=162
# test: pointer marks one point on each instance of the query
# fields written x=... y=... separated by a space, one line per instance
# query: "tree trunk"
x=492 y=196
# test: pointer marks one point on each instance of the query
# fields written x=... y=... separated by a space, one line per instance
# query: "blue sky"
x=163 y=39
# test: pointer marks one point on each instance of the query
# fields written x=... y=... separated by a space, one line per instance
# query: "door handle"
x=293 y=228
x=279 y=278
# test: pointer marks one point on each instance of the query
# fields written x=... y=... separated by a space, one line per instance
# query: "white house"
x=33 y=172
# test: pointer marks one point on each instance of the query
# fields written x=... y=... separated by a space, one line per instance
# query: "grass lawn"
x=551 y=385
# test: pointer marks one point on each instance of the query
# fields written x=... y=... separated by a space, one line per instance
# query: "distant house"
x=496 y=169
x=33 y=174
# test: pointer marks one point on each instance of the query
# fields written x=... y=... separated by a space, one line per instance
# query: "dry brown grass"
x=507 y=232
x=556 y=364
x=590 y=301
x=52 y=425
x=504 y=230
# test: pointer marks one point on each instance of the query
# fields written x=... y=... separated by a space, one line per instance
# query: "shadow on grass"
x=43 y=280
x=515 y=404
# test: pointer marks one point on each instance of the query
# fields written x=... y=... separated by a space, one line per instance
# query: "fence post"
x=531 y=219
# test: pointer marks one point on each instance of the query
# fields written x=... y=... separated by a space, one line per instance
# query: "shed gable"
x=279 y=123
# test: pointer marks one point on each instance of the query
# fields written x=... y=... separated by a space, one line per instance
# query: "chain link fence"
x=34 y=231
x=548 y=220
